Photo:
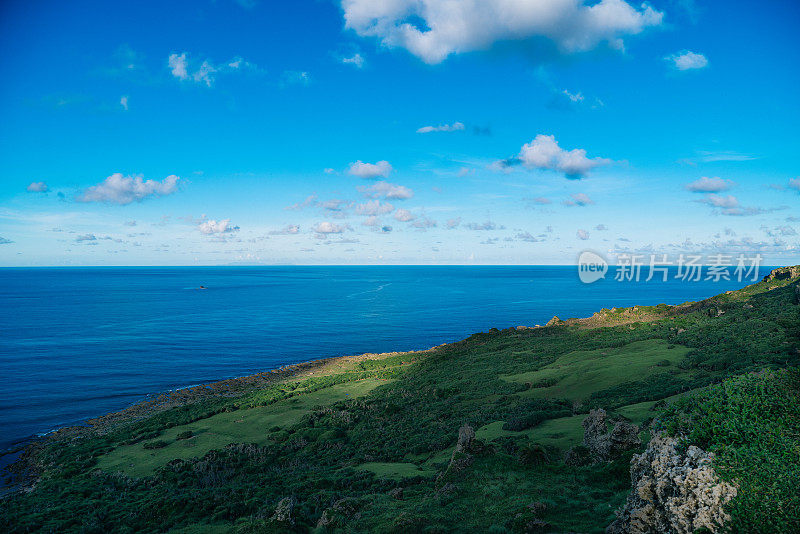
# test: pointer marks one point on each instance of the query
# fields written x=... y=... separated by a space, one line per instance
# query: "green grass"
x=241 y=426
x=580 y=373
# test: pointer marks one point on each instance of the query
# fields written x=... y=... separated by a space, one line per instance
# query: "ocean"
x=80 y=342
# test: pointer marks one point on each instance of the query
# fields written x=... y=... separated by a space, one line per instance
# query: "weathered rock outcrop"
x=673 y=492
x=461 y=457
x=284 y=511
x=783 y=273
x=605 y=444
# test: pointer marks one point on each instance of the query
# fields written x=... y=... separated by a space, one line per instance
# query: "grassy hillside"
x=368 y=444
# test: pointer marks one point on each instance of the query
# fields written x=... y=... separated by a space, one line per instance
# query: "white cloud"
x=38 y=187
x=309 y=201
x=423 y=223
x=206 y=72
x=119 y=189
x=325 y=228
x=488 y=225
x=179 y=66
x=374 y=207
x=544 y=153
x=448 y=27
x=386 y=190
x=687 y=60
x=582 y=234
x=357 y=60
x=794 y=183
x=578 y=199
x=289 y=229
x=370 y=170
x=721 y=201
x=123 y=101
x=601 y=227
x=4 y=241
x=211 y=227
x=709 y=185
x=453 y=223
x=455 y=127
x=403 y=215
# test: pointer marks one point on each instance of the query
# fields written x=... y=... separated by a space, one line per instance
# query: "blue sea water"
x=80 y=342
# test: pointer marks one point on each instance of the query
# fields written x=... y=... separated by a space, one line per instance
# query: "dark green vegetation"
x=752 y=424
x=359 y=446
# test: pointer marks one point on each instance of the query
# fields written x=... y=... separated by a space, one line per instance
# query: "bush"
x=184 y=435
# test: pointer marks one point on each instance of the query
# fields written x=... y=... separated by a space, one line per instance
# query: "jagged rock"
x=284 y=512
x=673 y=492
x=396 y=493
x=783 y=273
x=461 y=458
x=605 y=445
x=466 y=435
x=336 y=514
x=554 y=321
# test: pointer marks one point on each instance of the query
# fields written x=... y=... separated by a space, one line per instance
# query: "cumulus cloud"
x=326 y=228
x=381 y=169
x=4 y=241
x=289 y=229
x=794 y=183
x=578 y=199
x=386 y=190
x=601 y=227
x=455 y=127
x=123 y=101
x=212 y=227
x=85 y=237
x=709 y=185
x=687 y=60
x=374 y=207
x=37 y=187
x=403 y=215
x=434 y=29
x=119 y=189
x=582 y=234
x=544 y=153
x=542 y=201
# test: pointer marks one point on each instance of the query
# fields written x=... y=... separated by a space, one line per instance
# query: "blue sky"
x=404 y=132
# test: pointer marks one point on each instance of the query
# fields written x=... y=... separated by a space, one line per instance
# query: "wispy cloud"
x=386 y=190
x=578 y=199
x=455 y=127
